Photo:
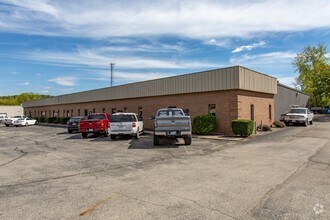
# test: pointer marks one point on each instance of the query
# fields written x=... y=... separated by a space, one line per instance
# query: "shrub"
x=279 y=124
x=64 y=120
x=42 y=119
x=204 y=124
x=242 y=127
x=51 y=120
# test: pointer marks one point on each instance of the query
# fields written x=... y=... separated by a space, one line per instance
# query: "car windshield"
x=17 y=117
x=298 y=110
x=96 y=117
x=122 y=118
x=167 y=112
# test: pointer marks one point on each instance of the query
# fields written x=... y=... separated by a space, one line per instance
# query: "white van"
x=125 y=124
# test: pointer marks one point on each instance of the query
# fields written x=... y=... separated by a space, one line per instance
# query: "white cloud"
x=99 y=57
x=24 y=83
x=274 y=58
x=288 y=81
x=219 y=43
x=64 y=81
x=195 y=19
x=249 y=47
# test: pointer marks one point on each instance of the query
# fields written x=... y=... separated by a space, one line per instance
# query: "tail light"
x=134 y=125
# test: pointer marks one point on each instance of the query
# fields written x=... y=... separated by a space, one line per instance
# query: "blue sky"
x=59 y=47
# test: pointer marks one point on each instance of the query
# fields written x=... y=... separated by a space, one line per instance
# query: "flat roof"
x=235 y=77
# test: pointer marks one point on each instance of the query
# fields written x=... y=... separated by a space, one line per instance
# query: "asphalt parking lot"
x=46 y=173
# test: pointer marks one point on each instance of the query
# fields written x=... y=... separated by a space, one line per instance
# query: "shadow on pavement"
x=322 y=118
x=148 y=144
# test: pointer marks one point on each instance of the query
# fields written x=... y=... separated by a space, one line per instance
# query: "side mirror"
x=151 y=117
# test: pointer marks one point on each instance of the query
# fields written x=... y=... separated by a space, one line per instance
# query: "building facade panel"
x=288 y=97
x=10 y=111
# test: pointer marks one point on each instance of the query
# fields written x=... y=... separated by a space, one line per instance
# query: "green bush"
x=42 y=119
x=51 y=120
x=64 y=120
x=204 y=124
x=242 y=127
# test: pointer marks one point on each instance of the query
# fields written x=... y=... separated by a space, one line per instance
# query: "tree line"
x=19 y=99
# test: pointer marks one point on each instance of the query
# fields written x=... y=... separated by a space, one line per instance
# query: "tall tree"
x=314 y=74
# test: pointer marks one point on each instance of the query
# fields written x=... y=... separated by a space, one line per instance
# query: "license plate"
x=293 y=120
x=172 y=132
x=90 y=129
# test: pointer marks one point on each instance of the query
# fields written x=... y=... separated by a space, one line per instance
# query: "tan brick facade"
x=230 y=104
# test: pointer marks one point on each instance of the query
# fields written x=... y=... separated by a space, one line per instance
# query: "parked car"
x=125 y=124
x=10 y=121
x=97 y=123
x=73 y=124
x=24 y=122
x=2 y=118
x=171 y=123
x=299 y=116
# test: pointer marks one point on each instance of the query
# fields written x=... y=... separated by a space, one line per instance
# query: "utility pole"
x=112 y=65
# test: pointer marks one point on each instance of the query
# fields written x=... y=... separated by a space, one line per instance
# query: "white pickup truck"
x=171 y=123
x=299 y=115
x=10 y=121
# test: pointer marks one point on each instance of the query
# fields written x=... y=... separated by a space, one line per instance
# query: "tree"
x=19 y=99
x=314 y=74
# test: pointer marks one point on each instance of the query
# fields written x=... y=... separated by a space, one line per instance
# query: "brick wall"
x=230 y=104
x=262 y=104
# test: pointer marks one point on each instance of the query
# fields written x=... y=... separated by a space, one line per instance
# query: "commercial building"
x=10 y=110
x=229 y=93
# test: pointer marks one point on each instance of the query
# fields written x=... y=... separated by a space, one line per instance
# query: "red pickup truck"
x=97 y=123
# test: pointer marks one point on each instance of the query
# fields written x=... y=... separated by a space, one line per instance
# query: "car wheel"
x=84 y=135
x=70 y=131
x=156 y=140
x=16 y=125
x=306 y=123
x=112 y=136
x=311 y=122
x=187 y=140
x=137 y=136
x=7 y=125
x=106 y=134
x=26 y=124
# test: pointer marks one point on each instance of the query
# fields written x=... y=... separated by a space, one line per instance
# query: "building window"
x=85 y=112
x=67 y=113
x=93 y=110
x=71 y=113
x=78 y=112
x=113 y=110
x=35 y=113
x=103 y=110
x=125 y=109
x=212 y=109
x=30 y=114
x=38 y=113
x=270 y=112
x=252 y=112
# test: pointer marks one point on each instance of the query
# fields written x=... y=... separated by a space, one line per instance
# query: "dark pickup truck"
x=97 y=123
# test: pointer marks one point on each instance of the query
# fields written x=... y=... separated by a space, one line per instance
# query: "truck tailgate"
x=173 y=123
